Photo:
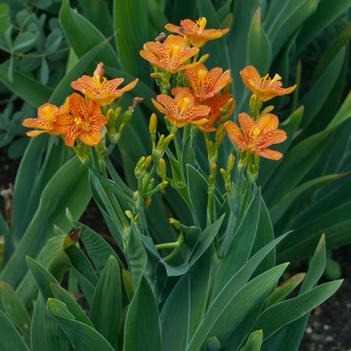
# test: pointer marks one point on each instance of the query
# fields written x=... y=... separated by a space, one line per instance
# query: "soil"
x=330 y=324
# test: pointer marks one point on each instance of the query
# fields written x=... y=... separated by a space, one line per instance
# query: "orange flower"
x=195 y=32
x=205 y=84
x=216 y=103
x=101 y=90
x=51 y=119
x=265 y=88
x=182 y=110
x=256 y=136
x=171 y=55
x=87 y=121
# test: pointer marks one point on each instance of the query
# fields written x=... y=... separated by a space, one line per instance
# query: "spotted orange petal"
x=246 y=122
x=270 y=154
x=267 y=122
x=91 y=138
x=235 y=134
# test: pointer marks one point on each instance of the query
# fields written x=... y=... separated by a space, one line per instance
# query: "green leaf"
x=5 y=19
x=130 y=19
x=341 y=40
x=53 y=259
x=283 y=290
x=259 y=47
x=25 y=87
x=15 y=309
x=292 y=14
x=83 y=35
x=265 y=235
x=96 y=247
x=72 y=305
x=83 y=270
x=98 y=13
x=10 y=338
x=42 y=276
x=206 y=239
x=343 y=114
x=45 y=333
x=175 y=317
x=106 y=308
x=280 y=314
x=179 y=321
x=291 y=336
x=157 y=16
x=72 y=181
x=278 y=210
x=315 y=98
x=295 y=165
x=44 y=71
x=228 y=309
x=136 y=254
x=254 y=341
x=325 y=14
x=197 y=189
x=82 y=337
x=142 y=325
x=5 y=232
x=23 y=41
x=241 y=246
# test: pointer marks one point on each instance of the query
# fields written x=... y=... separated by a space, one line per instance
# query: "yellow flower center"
x=99 y=81
x=201 y=23
x=202 y=76
x=256 y=132
x=174 y=50
x=82 y=124
x=183 y=104
x=266 y=78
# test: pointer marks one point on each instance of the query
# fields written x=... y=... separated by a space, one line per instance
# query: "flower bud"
x=148 y=161
x=204 y=58
x=175 y=223
x=147 y=201
x=231 y=162
x=162 y=168
x=153 y=124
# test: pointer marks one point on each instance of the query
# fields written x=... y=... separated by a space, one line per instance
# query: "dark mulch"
x=330 y=325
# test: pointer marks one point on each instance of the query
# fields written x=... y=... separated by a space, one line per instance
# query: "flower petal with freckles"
x=92 y=138
x=235 y=134
x=270 y=154
x=265 y=88
x=267 y=122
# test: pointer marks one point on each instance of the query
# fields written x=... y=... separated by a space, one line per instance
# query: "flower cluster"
x=260 y=130
x=81 y=117
x=191 y=94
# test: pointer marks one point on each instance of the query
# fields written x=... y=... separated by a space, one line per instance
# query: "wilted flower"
x=256 y=136
x=182 y=109
x=265 y=88
x=195 y=32
x=216 y=103
x=99 y=89
x=51 y=119
x=171 y=55
x=87 y=122
x=205 y=84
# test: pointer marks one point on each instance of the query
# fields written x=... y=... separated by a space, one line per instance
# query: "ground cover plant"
x=171 y=134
